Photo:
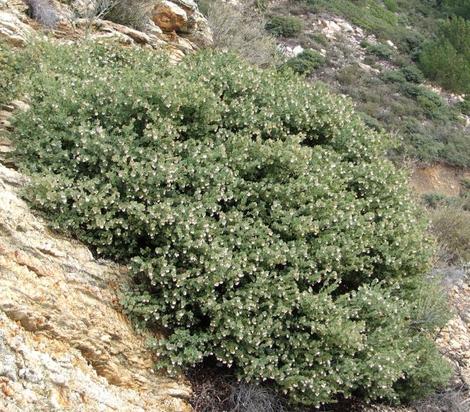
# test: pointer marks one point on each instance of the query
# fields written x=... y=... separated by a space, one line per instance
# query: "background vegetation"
x=391 y=85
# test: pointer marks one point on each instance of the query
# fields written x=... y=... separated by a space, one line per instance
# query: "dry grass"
x=451 y=225
x=240 y=29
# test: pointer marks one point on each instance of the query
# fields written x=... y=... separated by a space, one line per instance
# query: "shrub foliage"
x=306 y=62
x=284 y=26
x=262 y=224
x=447 y=58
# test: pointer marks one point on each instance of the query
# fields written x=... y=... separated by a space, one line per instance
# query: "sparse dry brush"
x=43 y=11
x=240 y=29
x=132 y=13
x=451 y=225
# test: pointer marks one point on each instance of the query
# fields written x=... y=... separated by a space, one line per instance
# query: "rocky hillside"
x=370 y=51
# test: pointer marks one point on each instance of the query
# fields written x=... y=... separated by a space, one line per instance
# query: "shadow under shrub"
x=262 y=224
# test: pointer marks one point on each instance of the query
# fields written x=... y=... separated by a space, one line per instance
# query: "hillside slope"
x=371 y=52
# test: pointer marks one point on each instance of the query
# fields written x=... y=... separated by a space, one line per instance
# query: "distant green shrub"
x=320 y=38
x=306 y=62
x=464 y=106
x=381 y=50
x=466 y=185
x=392 y=5
x=447 y=58
x=411 y=43
x=394 y=76
x=262 y=225
x=434 y=200
x=284 y=26
x=412 y=74
x=458 y=7
x=431 y=103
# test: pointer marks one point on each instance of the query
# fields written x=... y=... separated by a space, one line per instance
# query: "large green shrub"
x=9 y=71
x=262 y=224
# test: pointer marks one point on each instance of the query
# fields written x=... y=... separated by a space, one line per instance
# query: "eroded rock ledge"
x=176 y=26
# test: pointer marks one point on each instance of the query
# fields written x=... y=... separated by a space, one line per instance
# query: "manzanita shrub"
x=262 y=225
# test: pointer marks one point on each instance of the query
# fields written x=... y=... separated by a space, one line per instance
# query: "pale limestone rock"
x=345 y=26
x=14 y=30
x=187 y=4
x=297 y=50
x=368 y=68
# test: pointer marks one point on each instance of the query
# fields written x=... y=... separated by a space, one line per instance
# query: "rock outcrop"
x=176 y=26
x=454 y=339
x=13 y=25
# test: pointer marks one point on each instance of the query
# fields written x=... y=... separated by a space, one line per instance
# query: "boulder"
x=170 y=17
x=297 y=50
x=12 y=29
